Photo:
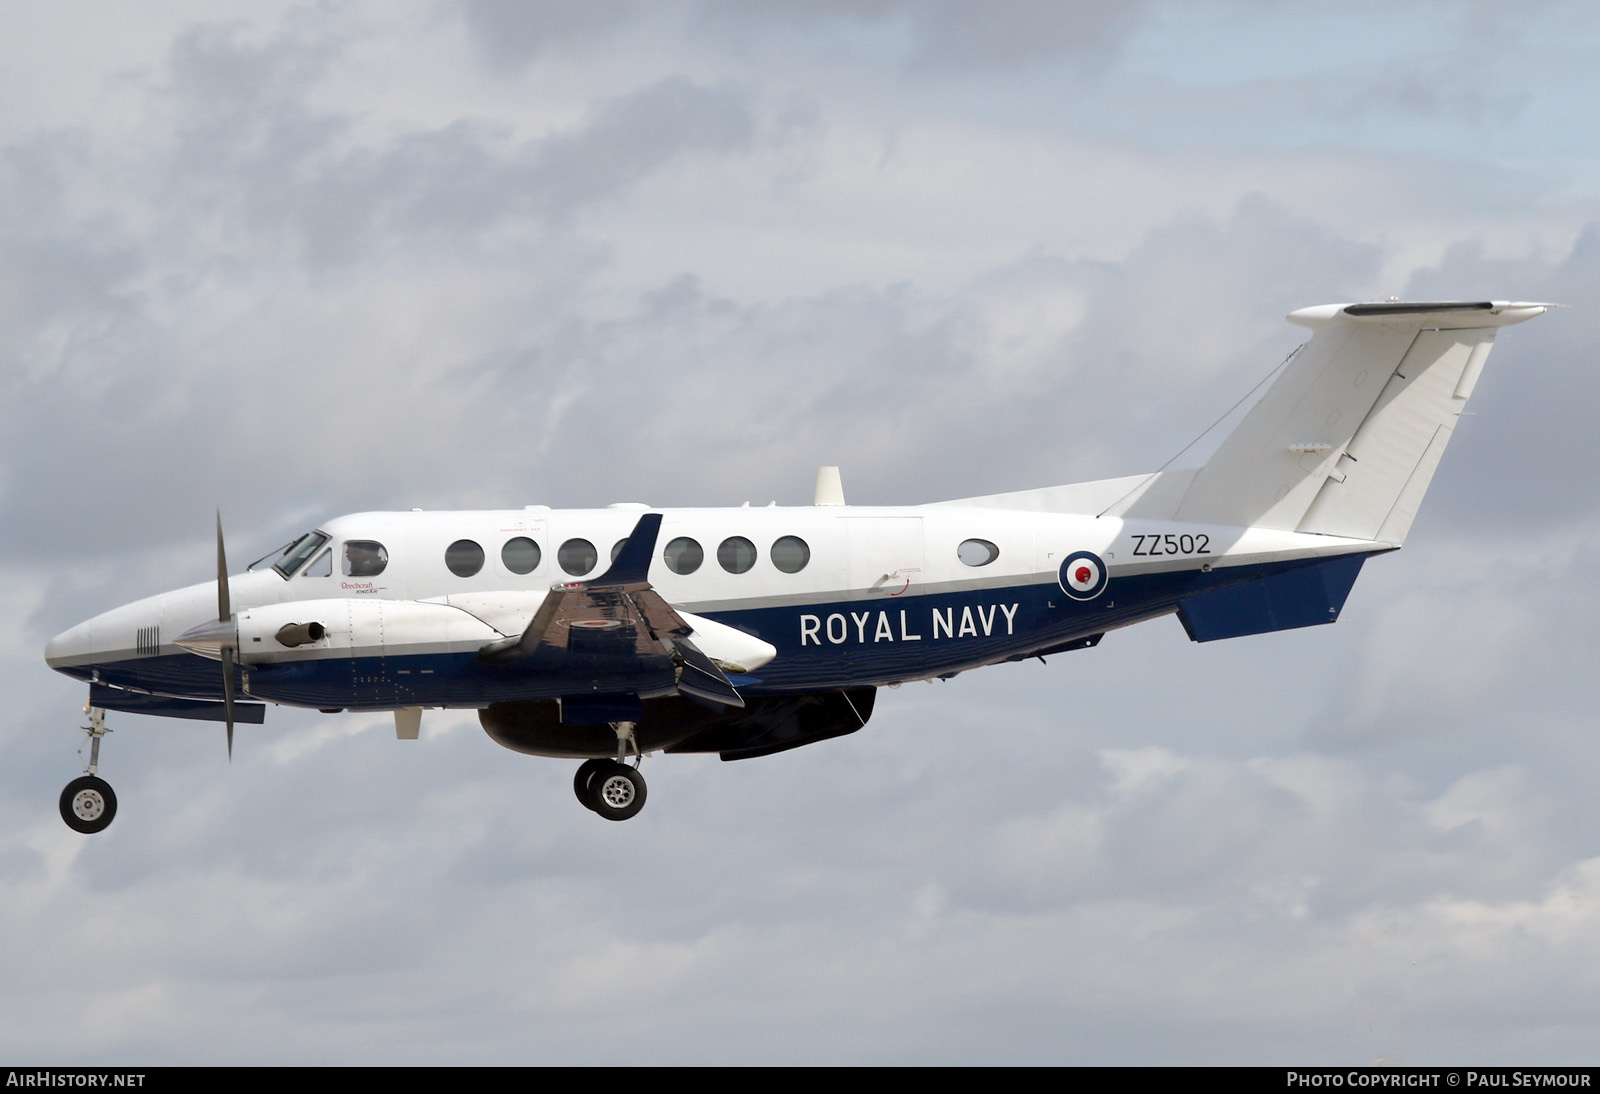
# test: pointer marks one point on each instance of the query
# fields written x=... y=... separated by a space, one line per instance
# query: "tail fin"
x=1346 y=440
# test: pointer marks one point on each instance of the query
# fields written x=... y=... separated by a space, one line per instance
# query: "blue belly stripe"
x=820 y=646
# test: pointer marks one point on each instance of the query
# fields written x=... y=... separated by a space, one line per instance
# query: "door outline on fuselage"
x=885 y=556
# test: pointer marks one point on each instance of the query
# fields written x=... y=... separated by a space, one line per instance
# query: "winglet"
x=632 y=564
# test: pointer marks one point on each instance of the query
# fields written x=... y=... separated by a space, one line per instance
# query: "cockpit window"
x=364 y=558
x=323 y=567
x=271 y=556
x=295 y=554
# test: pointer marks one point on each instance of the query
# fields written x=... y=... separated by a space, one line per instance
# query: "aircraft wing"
x=615 y=634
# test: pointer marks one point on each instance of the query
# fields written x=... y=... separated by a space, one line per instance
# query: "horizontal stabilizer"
x=1302 y=597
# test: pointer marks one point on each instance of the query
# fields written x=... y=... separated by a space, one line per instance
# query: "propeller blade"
x=224 y=610
x=227 y=695
x=225 y=613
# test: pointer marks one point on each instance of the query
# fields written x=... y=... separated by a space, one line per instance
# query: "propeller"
x=225 y=615
x=218 y=640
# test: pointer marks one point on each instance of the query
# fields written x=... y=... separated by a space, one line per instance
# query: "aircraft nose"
x=71 y=646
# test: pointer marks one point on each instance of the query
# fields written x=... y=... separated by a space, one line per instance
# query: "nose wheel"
x=88 y=804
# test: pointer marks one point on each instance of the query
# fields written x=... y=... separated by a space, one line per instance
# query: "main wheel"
x=583 y=780
x=617 y=791
x=88 y=804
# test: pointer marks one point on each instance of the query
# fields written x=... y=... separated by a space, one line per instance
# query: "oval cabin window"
x=463 y=558
x=577 y=557
x=520 y=555
x=977 y=552
x=736 y=555
x=790 y=554
x=683 y=555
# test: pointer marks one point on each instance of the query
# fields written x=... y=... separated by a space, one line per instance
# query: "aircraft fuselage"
x=883 y=595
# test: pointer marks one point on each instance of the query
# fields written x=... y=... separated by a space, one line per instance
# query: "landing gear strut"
x=610 y=787
x=88 y=804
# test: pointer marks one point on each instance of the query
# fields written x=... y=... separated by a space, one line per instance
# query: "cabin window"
x=463 y=558
x=790 y=554
x=364 y=558
x=977 y=552
x=616 y=548
x=521 y=555
x=736 y=555
x=683 y=555
x=577 y=557
x=323 y=567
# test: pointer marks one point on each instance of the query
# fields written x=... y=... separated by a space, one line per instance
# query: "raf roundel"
x=1083 y=575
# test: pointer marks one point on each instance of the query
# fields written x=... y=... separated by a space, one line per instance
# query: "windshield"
x=269 y=556
x=293 y=555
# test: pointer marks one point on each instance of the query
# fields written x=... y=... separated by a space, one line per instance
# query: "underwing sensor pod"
x=605 y=635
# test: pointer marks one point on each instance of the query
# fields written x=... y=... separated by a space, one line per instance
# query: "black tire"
x=585 y=776
x=88 y=805
x=618 y=791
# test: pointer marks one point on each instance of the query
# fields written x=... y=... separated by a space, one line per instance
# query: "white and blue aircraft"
x=607 y=634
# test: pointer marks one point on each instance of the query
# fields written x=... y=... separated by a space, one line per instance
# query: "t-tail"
x=1327 y=468
x=1346 y=440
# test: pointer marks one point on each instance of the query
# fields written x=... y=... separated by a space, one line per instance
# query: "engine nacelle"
x=355 y=628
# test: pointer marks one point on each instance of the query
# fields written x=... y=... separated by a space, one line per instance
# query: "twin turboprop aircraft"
x=606 y=634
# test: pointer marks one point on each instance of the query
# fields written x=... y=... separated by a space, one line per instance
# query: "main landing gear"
x=88 y=804
x=610 y=787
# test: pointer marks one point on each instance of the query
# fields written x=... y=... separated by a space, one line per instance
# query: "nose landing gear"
x=88 y=804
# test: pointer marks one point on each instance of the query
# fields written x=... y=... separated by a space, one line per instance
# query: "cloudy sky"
x=297 y=260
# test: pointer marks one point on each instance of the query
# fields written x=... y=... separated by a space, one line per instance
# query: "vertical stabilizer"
x=1346 y=440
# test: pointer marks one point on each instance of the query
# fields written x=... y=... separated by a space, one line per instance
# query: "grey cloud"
x=465 y=179
x=1523 y=454
x=252 y=148
x=905 y=390
x=1170 y=338
x=888 y=898
x=56 y=287
x=960 y=34
x=634 y=134
x=934 y=35
x=513 y=32
x=952 y=35
x=118 y=399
